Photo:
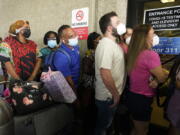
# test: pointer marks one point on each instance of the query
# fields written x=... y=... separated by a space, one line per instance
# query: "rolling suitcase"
x=6 y=118
x=48 y=121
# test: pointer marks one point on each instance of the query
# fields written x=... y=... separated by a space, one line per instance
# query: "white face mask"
x=128 y=39
x=73 y=41
x=52 y=43
x=155 y=40
x=121 y=29
x=18 y=30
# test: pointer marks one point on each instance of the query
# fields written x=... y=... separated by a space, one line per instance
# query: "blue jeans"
x=105 y=116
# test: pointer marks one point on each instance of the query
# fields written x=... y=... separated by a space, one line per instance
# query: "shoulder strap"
x=49 y=60
x=65 y=53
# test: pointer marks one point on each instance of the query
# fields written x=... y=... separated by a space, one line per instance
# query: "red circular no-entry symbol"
x=79 y=15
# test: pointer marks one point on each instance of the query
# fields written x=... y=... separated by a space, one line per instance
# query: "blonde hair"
x=137 y=44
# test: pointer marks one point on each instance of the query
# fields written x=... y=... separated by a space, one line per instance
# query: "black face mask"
x=27 y=33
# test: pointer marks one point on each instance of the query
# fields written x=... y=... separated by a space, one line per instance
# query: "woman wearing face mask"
x=20 y=55
x=88 y=70
x=122 y=44
x=142 y=62
x=125 y=40
x=51 y=41
x=87 y=89
x=127 y=35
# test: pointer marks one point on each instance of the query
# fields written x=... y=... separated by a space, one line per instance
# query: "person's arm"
x=61 y=64
x=110 y=85
x=71 y=83
x=10 y=69
x=159 y=73
x=36 y=69
x=5 y=57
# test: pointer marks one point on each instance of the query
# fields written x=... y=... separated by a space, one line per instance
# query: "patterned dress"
x=21 y=55
x=87 y=88
x=88 y=73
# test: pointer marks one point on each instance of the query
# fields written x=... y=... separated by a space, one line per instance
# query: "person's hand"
x=166 y=72
x=153 y=84
x=31 y=78
x=116 y=100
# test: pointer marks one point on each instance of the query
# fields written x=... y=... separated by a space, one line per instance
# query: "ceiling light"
x=166 y=1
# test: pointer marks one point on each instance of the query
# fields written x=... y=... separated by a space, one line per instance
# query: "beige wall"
x=105 y=6
x=45 y=15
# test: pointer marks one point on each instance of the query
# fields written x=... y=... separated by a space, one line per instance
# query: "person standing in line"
x=109 y=71
x=51 y=41
x=127 y=35
x=20 y=55
x=87 y=87
x=145 y=72
x=124 y=40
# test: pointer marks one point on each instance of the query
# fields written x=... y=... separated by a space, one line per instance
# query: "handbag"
x=57 y=86
x=28 y=97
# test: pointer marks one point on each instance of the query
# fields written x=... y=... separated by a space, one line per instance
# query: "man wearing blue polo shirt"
x=69 y=62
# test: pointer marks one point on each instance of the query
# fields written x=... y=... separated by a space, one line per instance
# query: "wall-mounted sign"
x=167 y=18
x=166 y=22
x=80 y=22
x=168 y=45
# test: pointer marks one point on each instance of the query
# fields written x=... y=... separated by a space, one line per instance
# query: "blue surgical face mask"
x=52 y=43
x=73 y=41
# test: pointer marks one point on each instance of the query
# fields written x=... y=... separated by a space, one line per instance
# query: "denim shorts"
x=139 y=106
